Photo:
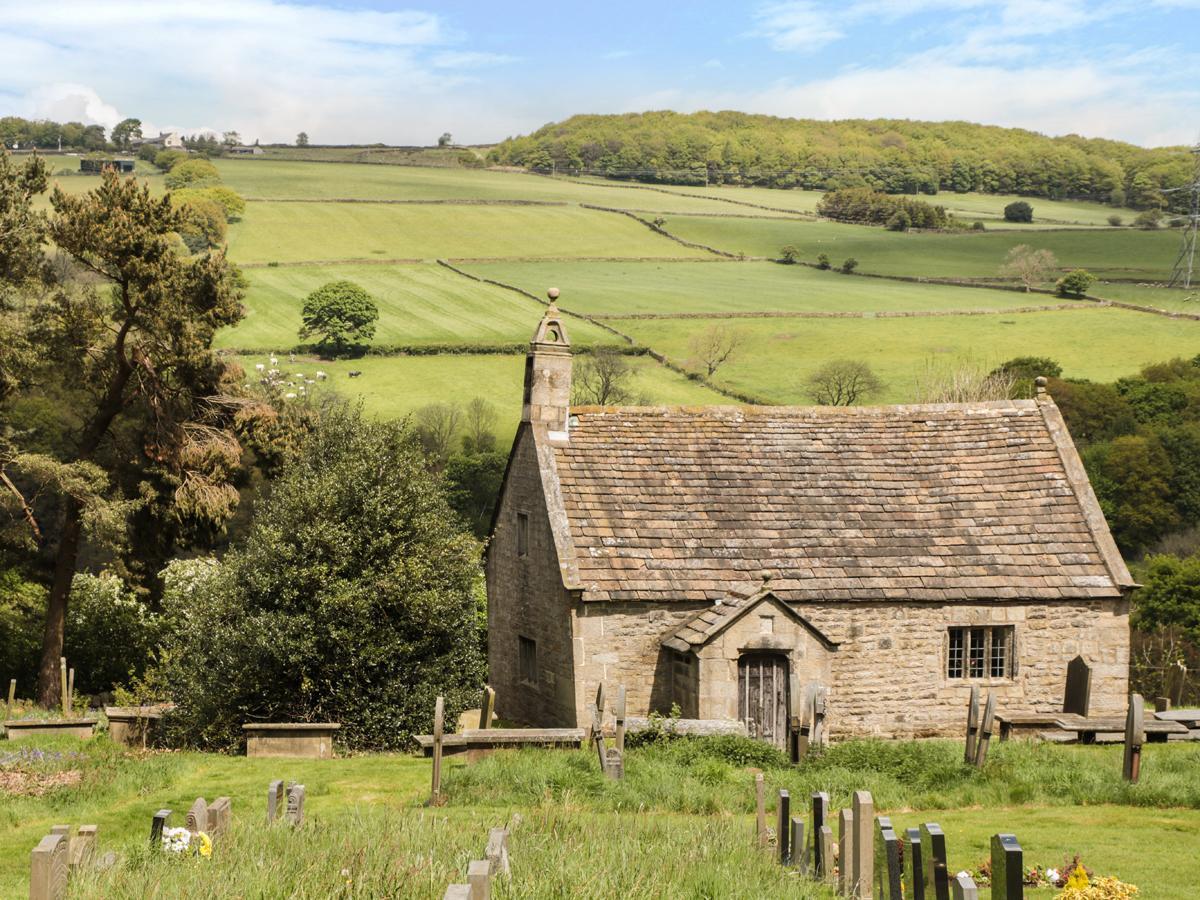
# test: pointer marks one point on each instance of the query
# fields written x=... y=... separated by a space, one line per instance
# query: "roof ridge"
x=782 y=410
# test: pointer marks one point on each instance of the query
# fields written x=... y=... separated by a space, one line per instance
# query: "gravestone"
x=457 y=892
x=986 y=721
x=972 y=725
x=933 y=862
x=795 y=716
x=1008 y=874
x=435 y=790
x=804 y=737
x=1175 y=680
x=816 y=732
x=497 y=851
x=826 y=845
x=845 y=879
x=760 y=808
x=295 y=804
x=1078 y=693
x=479 y=878
x=487 y=707
x=156 y=827
x=48 y=869
x=64 y=830
x=619 y=716
x=864 y=844
x=796 y=848
x=888 y=884
x=219 y=816
x=83 y=847
x=275 y=800
x=1135 y=736
x=614 y=763
x=784 y=811
x=820 y=813
x=914 y=877
x=964 y=887
x=197 y=816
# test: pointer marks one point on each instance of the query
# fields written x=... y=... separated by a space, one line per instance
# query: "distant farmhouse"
x=896 y=555
x=244 y=150
x=166 y=140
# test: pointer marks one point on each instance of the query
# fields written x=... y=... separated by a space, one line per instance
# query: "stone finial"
x=1040 y=383
x=553 y=295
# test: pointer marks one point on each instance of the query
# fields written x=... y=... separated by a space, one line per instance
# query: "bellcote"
x=547 y=399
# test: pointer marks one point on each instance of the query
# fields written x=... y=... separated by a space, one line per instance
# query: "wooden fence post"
x=1135 y=736
x=435 y=792
x=487 y=706
x=985 y=730
x=760 y=808
x=972 y=725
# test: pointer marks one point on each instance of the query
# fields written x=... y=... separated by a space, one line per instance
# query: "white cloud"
x=64 y=102
x=797 y=26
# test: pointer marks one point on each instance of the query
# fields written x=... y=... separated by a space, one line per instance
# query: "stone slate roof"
x=984 y=501
x=711 y=621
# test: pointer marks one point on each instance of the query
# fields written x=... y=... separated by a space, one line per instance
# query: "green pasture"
x=394 y=386
x=419 y=305
x=664 y=288
x=298 y=232
x=778 y=354
x=1118 y=252
x=1158 y=296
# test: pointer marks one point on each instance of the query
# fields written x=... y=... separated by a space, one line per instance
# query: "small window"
x=980 y=652
x=527 y=659
x=522 y=534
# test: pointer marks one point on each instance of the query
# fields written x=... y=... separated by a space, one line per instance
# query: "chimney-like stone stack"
x=548 y=373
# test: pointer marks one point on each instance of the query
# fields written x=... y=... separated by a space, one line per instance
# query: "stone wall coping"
x=52 y=723
x=292 y=726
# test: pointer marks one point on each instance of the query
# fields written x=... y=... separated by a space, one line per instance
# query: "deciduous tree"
x=1028 y=266
x=341 y=315
x=715 y=346
x=602 y=378
x=842 y=382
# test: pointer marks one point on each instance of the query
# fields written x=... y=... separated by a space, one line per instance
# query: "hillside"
x=898 y=156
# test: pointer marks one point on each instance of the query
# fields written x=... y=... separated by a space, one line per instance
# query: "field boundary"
x=864 y=314
x=658 y=229
x=449 y=201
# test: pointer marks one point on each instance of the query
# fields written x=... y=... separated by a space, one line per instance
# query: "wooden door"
x=763 y=696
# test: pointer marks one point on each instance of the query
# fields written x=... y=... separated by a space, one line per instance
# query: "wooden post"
x=985 y=730
x=70 y=690
x=964 y=887
x=783 y=812
x=864 y=844
x=972 y=725
x=619 y=713
x=435 y=791
x=62 y=667
x=597 y=737
x=914 y=872
x=825 y=843
x=479 y=877
x=156 y=828
x=820 y=813
x=1008 y=873
x=1135 y=736
x=845 y=852
x=796 y=854
x=48 y=869
x=12 y=695
x=487 y=706
x=933 y=862
x=760 y=808
x=497 y=851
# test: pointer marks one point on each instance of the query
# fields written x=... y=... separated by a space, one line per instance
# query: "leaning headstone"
x=933 y=862
x=964 y=887
x=864 y=844
x=972 y=725
x=487 y=707
x=845 y=880
x=48 y=869
x=1078 y=693
x=156 y=827
x=760 y=808
x=826 y=847
x=887 y=879
x=784 y=811
x=820 y=813
x=986 y=721
x=479 y=877
x=197 y=816
x=295 y=805
x=1135 y=736
x=220 y=813
x=497 y=851
x=83 y=847
x=1008 y=875
x=914 y=872
x=275 y=800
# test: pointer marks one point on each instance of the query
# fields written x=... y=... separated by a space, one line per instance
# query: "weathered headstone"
x=83 y=847
x=1008 y=874
x=964 y=887
x=435 y=790
x=479 y=877
x=12 y=695
x=933 y=862
x=816 y=732
x=64 y=830
x=614 y=763
x=795 y=705
x=1162 y=704
x=760 y=808
x=820 y=814
x=497 y=851
x=487 y=706
x=783 y=811
x=619 y=716
x=1135 y=736
x=48 y=869
x=888 y=882
x=845 y=881
x=986 y=722
x=914 y=872
x=601 y=697
x=274 y=800
x=197 y=816
x=826 y=846
x=1176 y=679
x=596 y=735
x=972 y=725
x=796 y=847
x=295 y=804
x=156 y=827
x=864 y=843
x=220 y=813
x=457 y=892
x=1078 y=693
x=804 y=739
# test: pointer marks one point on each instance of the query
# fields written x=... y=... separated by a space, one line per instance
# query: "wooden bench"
x=1087 y=729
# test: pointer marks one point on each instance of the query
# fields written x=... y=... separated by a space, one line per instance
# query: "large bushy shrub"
x=1018 y=211
x=350 y=600
x=110 y=634
x=869 y=207
x=191 y=173
x=22 y=609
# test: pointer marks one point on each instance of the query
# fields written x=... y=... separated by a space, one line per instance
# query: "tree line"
x=890 y=155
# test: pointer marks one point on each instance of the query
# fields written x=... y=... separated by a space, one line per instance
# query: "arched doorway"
x=763 y=696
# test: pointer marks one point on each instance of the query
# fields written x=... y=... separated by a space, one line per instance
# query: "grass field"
x=1125 y=252
x=779 y=353
x=299 y=232
x=639 y=288
x=419 y=305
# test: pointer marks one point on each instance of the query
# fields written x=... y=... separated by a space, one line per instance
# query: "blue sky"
x=348 y=72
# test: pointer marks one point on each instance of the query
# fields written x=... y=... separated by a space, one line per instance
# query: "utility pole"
x=1185 y=264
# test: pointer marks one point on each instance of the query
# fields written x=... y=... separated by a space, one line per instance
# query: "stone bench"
x=81 y=727
x=310 y=740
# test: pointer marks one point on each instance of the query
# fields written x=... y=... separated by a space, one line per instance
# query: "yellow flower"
x=206 y=845
x=1078 y=878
